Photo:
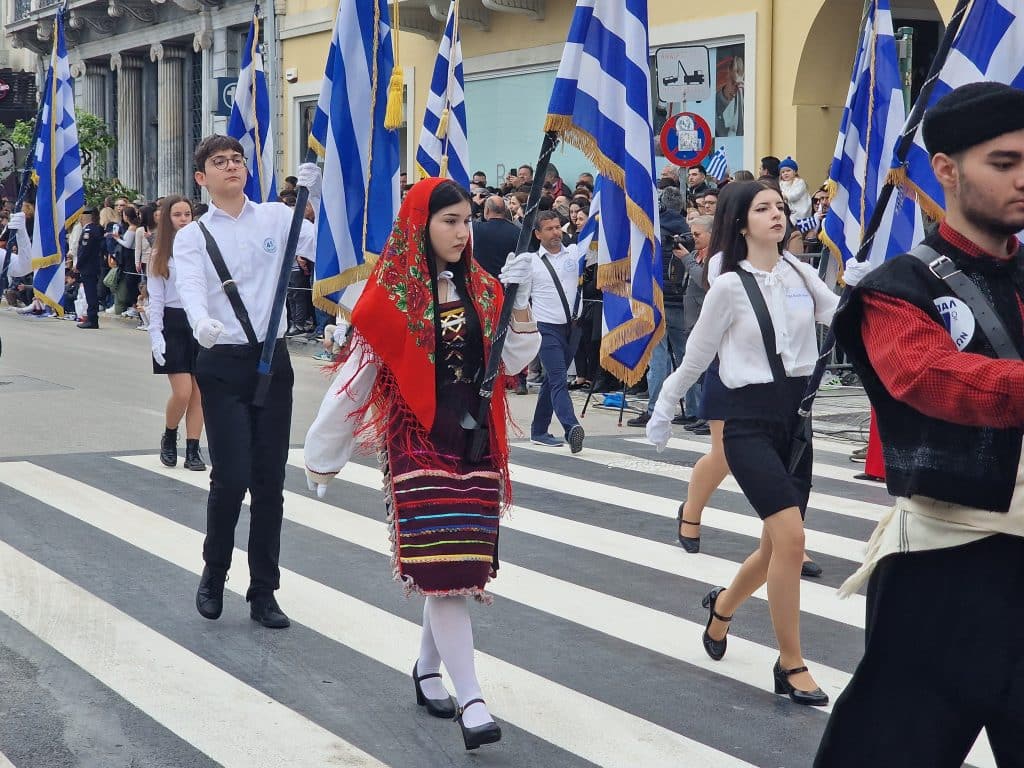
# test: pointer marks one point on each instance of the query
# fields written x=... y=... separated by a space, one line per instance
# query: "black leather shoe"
x=811 y=569
x=683 y=421
x=265 y=610
x=88 y=325
x=443 y=708
x=715 y=648
x=689 y=543
x=169 y=448
x=193 y=460
x=815 y=698
x=639 y=421
x=210 y=595
x=478 y=735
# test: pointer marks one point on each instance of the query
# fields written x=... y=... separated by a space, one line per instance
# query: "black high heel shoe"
x=815 y=698
x=477 y=735
x=690 y=544
x=715 y=648
x=443 y=708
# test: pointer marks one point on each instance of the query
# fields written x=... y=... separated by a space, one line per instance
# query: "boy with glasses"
x=229 y=315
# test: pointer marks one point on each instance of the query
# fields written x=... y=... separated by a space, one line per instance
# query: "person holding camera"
x=676 y=240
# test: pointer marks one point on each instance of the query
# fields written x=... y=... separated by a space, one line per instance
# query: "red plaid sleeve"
x=920 y=365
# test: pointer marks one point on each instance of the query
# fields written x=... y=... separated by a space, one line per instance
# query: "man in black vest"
x=940 y=360
x=495 y=237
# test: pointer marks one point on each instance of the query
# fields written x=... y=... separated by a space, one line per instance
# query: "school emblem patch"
x=269 y=246
x=958 y=319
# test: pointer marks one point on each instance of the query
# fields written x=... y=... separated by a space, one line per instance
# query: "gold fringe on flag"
x=898 y=178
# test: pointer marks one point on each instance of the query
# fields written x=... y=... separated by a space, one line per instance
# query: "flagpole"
x=479 y=439
x=902 y=148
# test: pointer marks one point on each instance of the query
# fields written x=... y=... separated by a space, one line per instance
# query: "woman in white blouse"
x=760 y=409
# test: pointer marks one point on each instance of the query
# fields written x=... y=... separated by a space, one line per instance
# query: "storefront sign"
x=686 y=139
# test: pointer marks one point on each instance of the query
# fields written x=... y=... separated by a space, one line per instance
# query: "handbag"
x=111 y=279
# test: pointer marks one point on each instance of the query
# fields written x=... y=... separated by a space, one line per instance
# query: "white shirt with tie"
x=547 y=306
x=252 y=246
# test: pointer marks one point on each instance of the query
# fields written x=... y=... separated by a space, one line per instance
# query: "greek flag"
x=988 y=46
x=601 y=103
x=587 y=238
x=717 y=165
x=60 y=195
x=360 y=156
x=871 y=125
x=250 y=118
x=444 y=142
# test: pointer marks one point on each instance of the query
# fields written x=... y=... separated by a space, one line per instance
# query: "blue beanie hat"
x=789 y=162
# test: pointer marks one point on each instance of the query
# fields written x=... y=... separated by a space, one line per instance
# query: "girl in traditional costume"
x=409 y=389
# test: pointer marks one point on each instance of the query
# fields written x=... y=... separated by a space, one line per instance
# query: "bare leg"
x=177 y=403
x=708 y=473
x=194 y=412
x=751 y=576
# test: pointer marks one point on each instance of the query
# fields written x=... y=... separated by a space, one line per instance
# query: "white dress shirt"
x=547 y=306
x=162 y=294
x=728 y=327
x=252 y=246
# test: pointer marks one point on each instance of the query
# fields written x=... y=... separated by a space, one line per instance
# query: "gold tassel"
x=443 y=172
x=393 y=114
x=442 y=125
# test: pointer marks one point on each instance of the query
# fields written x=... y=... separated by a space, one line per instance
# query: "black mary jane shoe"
x=715 y=648
x=477 y=735
x=689 y=543
x=810 y=569
x=443 y=708
x=815 y=698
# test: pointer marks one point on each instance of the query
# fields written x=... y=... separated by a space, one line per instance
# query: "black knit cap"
x=970 y=115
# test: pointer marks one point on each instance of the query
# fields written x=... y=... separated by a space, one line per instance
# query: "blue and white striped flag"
x=717 y=165
x=444 y=139
x=587 y=239
x=871 y=125
x=988 y=46
x=601 y=103
x=60 y=195
x=360 y=155
x=250 y=118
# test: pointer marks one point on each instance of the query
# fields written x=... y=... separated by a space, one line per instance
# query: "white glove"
x=310 y=177
x=659 y=430
x=16 y=222
x=518 y=270
x=856 y=271
x=207 y=331
x=159 y=347
x=320 y=488
x=340 y=333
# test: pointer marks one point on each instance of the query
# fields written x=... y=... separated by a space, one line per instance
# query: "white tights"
x=448 y=636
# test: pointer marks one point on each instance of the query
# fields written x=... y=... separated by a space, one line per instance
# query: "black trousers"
x=943 y=658
x=91 y=284
x=248 y=451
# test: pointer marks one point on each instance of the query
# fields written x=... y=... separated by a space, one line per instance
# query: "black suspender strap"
x=965 y=290
x=228 y=284
x=569 y=315
x=764 y=320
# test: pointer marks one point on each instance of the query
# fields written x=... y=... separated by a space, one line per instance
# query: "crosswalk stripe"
x=190 y=694
x=747 y=525
x=655 y=630
x=821 y=469
x=823 y=501
x=575 y=722
x=816 y=599
x=4 y=762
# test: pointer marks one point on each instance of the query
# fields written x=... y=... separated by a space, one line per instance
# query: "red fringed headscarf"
x=395 y=318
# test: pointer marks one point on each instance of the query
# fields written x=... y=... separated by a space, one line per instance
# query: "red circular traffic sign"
x=686 y=139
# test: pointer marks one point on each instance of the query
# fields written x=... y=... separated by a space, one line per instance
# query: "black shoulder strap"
x=558 y=287
x=764 y=320
x=228 y=284
x=965 y=290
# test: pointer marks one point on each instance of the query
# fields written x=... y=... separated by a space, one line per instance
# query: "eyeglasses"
x=220 y=162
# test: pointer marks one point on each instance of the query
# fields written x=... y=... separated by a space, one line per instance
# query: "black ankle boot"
x=169 y=448
x=193 y=460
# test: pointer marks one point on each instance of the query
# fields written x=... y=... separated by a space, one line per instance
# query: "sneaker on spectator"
x=831 y=381
x=141 y=327
x=130 y=312
x=548 y=440
x=683 y=420
x=695 y=425
x=575 y=437
x=701 y=429
x=110 y=310
x=324 y=356
x=639 y=421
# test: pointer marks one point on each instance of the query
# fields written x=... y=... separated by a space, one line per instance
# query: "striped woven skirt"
x=443 y=519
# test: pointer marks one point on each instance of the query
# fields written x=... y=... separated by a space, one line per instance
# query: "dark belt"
x=242 y=350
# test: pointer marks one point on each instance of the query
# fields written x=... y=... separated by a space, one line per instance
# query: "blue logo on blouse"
x=269 y=245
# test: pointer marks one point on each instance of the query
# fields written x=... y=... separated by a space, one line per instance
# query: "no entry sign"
x=686 y=139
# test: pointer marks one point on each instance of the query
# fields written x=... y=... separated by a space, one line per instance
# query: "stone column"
x=94 y=90
x=129 y=117
x=170 y=117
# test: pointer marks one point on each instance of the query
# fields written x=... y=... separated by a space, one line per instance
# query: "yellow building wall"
x=804 y=52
